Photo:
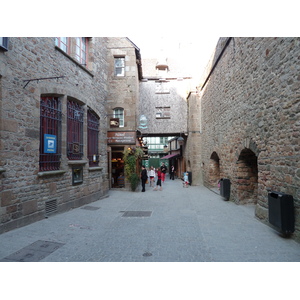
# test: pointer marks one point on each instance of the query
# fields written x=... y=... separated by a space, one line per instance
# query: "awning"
x=169 y=156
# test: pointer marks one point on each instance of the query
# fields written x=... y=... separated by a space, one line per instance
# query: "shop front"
x=117 y=142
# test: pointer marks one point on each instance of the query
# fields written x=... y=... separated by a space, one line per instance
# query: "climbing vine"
x=130 y=157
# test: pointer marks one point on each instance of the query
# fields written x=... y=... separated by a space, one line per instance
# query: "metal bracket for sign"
x=38 y=79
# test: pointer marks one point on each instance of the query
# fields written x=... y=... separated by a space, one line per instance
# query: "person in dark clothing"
x=163 y=170
x=172 y=172
x=144 y=178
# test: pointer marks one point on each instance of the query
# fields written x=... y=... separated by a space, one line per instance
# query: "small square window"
x=163 y=112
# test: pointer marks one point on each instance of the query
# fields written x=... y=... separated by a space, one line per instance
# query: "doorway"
x=247 y=177
x=117 y=167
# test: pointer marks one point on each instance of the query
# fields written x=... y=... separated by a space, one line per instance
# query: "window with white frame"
x=119 y=113
x=62 y=43
x=119 y=66
x=81 y=50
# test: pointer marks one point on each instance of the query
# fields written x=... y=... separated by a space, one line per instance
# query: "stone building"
x=163 y=92
x=124 y=74
x=53 y=119
x=245 y=117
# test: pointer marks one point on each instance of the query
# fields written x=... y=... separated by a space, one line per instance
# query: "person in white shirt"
x=151 y=174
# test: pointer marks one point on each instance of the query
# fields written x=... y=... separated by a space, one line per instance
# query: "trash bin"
x=225 y=188
x=190 y=177
x=281 y=211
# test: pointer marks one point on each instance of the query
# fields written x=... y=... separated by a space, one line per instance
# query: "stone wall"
x=250 y=111
x=25 y=190
x=123 y=91
x=164 y=92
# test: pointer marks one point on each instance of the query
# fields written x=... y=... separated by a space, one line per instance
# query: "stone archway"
x=246 y=177
x=214 y=170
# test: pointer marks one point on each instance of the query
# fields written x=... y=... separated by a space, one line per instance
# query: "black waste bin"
x=281 y=211
x=225 y=188
x=190 y=177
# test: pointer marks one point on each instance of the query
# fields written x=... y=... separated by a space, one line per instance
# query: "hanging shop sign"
x=49 y=143
x=114 y=122
x=121 y=137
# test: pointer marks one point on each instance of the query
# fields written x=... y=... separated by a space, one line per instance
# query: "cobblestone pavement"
x=177 y=224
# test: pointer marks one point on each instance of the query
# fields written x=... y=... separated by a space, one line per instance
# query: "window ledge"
x=77 y=162
x=91 y=169
x=51 y=173
x=75 y=61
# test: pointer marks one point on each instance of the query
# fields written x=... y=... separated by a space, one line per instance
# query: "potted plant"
x=130 y=157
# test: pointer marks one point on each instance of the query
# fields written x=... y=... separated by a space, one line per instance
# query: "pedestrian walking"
x=151 y=174
x=163 y=170
x=144 y=178
x=158 y=182
x=186 y=179
x=172 y=172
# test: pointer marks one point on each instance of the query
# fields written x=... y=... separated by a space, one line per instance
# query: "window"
x=119 y=66
x=163 y=112
x=50 y=133
x=4 y=43
x=119 y=113
x=93 y=138
x=62 y=43
x=74 y=130
x=162 y=87
x=81 y=50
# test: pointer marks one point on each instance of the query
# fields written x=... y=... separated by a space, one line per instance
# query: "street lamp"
x=180 y=141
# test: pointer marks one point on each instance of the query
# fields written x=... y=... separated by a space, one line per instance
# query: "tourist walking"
x=172 y=172
x=144 y=178
x=158 y=182
x=163 y=170
x=151 y=174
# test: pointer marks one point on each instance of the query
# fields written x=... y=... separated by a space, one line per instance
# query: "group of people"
x=160 y=173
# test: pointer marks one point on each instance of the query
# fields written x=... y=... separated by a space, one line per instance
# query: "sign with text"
x=121 y=137
x=49 y=143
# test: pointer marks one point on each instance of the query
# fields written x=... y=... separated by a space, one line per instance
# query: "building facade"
x=53 y=119
x=245 y=117
x=124 y=74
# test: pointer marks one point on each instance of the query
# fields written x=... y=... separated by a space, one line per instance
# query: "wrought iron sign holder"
x=38 y=79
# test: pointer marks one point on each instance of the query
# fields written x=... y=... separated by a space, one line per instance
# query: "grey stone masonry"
x=24 y=189
x=249 y=102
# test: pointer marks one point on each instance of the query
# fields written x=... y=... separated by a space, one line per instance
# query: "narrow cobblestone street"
x=174 y=225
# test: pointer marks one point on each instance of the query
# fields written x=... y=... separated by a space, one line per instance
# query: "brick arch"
x=246 y=178
x=214 y=169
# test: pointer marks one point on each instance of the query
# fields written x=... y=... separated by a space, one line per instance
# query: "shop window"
x=119 y=66
x=50 y=133
x=74 y=130
x=93 y=138
x=119 y=113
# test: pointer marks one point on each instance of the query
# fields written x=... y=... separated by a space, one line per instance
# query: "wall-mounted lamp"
x=180 y=141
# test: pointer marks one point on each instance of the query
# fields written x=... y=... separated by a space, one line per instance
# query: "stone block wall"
x=123 y=91
x=250 y=112
x=24 y=189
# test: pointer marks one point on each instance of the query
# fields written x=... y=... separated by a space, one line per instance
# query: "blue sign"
x=49 y=143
